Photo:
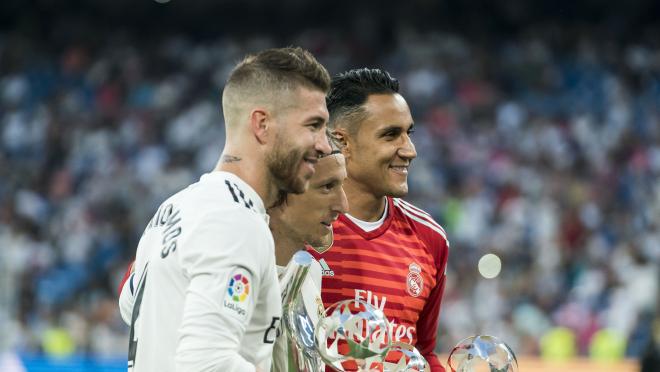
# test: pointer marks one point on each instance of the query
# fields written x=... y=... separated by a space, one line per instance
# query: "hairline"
x=351 y=118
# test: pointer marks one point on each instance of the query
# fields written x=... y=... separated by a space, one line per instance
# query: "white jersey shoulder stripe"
x=425 y=223
x=404 y=206
x=410 y=206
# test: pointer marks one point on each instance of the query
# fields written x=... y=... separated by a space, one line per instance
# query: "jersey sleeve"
x=221 y=260
x=427 y=325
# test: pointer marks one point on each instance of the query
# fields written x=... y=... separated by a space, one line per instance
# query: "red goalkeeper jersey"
x=399 y=268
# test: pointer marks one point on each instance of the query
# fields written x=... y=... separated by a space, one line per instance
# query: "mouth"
x=328 y=224
x=310 y=163
x=311 y=159
x=400 y=169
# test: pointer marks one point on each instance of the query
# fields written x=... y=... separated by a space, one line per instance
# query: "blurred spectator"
x=546 y=153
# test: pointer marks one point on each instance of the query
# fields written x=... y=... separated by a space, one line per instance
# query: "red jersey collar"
x=368 y=235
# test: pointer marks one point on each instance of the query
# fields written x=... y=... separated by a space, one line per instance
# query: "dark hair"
x=351 y=89
x=281 y=68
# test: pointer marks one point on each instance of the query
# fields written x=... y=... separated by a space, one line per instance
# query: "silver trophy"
x=482 y=353
x=353 y=336
x=404 y=357
x=349 y=336
x=296 y=346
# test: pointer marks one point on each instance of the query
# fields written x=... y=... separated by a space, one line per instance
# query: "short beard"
x=323 y=243
x=283 y=165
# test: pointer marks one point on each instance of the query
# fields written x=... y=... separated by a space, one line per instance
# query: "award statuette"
x=349 y=336
x=482 y=353
x=353 y=336
x=295 y=351
x=404 y=357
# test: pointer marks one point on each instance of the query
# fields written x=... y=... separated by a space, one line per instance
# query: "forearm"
x=126 y=301
x=209 y=341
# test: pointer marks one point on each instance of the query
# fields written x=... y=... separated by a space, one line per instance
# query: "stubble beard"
x=323 y=243
x=284 y=165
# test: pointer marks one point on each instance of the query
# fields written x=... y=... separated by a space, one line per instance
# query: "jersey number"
x=132 y=342
x=273 y=331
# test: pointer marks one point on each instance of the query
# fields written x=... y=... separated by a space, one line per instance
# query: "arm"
x=126 y=294
x=222 y=247
x=427 y=325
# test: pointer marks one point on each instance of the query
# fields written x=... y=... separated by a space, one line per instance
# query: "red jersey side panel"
x=399 y=268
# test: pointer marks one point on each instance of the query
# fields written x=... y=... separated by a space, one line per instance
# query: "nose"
x=322 y=145
x=341 y=202
x=407 y=149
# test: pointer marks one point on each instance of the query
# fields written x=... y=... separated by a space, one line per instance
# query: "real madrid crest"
x=414 y=281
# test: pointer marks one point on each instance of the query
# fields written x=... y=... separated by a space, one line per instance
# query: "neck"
x=285 y=245
x=250 y=169
x=363 y=204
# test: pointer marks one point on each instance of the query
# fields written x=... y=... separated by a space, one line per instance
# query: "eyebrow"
x=327 y=180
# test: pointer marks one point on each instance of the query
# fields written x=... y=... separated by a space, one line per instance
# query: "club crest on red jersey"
x=414 y=280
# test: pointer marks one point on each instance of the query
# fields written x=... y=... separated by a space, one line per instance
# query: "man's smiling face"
x=381 y=151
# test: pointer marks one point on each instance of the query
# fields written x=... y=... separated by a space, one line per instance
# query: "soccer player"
x=204 y=295
x=305 y=220
x=300 y=221
x=386 y=251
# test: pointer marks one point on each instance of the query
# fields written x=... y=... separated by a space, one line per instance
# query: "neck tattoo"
x=230 y=158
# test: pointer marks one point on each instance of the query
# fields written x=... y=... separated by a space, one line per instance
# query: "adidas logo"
x=325 y=269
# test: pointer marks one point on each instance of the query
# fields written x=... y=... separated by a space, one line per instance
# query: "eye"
x=391 y=134
x=328 y=186
x=315 y=126
x=411 y=131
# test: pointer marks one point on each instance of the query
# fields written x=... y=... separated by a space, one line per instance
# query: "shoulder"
x=219 y=196
x=215 y=218
x=218 y=191
x=221 y=239
x=421 y=222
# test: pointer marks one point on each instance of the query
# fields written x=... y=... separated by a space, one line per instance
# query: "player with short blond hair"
x=204 y=293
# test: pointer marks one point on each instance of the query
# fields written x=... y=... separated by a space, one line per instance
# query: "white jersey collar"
x=368 y=225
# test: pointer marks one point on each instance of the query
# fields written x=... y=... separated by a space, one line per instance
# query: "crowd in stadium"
x=543 y=152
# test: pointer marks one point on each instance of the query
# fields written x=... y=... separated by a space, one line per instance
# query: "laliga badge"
x=237 y=296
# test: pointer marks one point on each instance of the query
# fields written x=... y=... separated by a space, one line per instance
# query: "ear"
x=341 y=136
x=260 y=124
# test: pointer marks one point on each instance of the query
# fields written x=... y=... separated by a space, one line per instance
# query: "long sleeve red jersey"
x=399 y=268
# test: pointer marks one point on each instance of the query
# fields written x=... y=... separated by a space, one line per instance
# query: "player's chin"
x=321 y=242
x=397 y=190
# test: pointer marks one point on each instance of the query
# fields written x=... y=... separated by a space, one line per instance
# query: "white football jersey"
x=311 y=296
x=205 y=294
